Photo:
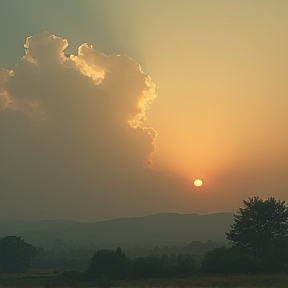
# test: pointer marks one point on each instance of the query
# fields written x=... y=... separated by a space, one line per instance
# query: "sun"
x=198 y=183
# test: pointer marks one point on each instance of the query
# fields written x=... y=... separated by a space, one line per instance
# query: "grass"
x=47 y=279
x=54 y=279
x=249 y=281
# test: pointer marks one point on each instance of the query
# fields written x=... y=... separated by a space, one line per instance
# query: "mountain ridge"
x=155 y=228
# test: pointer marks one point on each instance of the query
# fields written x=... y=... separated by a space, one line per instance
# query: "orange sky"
x=221 y=71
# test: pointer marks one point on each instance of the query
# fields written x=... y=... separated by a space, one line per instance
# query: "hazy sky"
x=165 y=91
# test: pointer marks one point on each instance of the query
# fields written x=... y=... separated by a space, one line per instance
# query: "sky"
x=111 y=109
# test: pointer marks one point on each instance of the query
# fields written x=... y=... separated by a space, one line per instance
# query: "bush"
x=108 y=264
x=230 y=260
x=186 y=264
x=15 y=254
x=147 y=267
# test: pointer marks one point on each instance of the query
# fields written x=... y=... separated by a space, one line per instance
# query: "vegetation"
x=116 y=265
x=259 y=245
x=73 y=257
x=108 y=264
x=57 y=280
x=15 y=254
x=260 y=225
x=227 y=260
x=260 y=231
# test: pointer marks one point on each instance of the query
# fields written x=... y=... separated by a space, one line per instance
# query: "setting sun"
x=198 y=183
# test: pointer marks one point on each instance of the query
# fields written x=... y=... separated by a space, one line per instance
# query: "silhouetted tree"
x=260 y=225
x=187 y=265
x=147 y=267
x=15 y=254
x=108 y=264
x=156 y=266
x=230 y=260
x=277 y=258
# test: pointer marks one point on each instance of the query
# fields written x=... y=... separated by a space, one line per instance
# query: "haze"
x=164 y=92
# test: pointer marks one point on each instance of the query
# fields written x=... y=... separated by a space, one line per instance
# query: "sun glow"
x=198 y=183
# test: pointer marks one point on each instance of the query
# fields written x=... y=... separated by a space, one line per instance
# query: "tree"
x=147 y=267
x=108 y=264
x=225 y=260
x=260 y=225
x=15 y=254
x=187 y=264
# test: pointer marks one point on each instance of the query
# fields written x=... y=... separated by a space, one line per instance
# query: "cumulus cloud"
x=73 y=138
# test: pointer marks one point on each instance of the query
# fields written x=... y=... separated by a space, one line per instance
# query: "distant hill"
x=158 y=228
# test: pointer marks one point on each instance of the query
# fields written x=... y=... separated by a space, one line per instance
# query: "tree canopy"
x=15 y=254
x=260 y=225
x=108 y=263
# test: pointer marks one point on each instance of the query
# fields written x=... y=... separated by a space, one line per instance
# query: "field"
x=54 y=279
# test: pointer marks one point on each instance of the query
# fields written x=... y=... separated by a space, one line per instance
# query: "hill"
x=153 y=229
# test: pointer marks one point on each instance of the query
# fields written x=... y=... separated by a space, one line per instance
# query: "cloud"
x=74 y=144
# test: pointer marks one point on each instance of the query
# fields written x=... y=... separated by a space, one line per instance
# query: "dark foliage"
x=225 y=260
x=15 y=254
x=108 y=264
x=164 y=266
x=260 y=225
x=186 y=265
x=276 y=259
x=147 y=267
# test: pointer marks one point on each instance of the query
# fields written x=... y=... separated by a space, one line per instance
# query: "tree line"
x=258 y=244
